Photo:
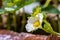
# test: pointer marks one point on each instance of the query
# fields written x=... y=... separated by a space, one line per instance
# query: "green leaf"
x=13 y=5
x=48 y=27
x=51 y=9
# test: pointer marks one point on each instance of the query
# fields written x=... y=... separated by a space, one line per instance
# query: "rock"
x=10 y=35
x=28 y=36
x=58 y=38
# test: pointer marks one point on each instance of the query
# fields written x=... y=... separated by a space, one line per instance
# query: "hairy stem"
x=46 y=3
x=9 y=21
x=58 y=23
x=14 y=21
x=23 y=21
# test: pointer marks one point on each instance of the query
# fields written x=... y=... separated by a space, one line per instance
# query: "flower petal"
x=40 y=16
x=34 y=21
x=29 y=27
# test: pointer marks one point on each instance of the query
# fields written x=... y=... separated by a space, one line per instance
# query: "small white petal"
x=40 y=15
x=32 y=20
x=29 y=27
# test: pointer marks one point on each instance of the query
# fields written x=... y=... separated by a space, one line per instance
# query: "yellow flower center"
x=36 y=24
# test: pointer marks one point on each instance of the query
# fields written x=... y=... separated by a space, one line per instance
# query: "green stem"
x=9 y=21
x=46 y=3
x=55 y=33
x=14 y=21
x=23 y=21
x=58 y=23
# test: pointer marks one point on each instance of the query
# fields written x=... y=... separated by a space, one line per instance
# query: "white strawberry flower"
x=34 y=23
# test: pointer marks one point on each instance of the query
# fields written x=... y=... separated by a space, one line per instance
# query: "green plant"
x=46 y=8
x=36 y=20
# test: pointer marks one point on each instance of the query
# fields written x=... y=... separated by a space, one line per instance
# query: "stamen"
x=36 y=24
